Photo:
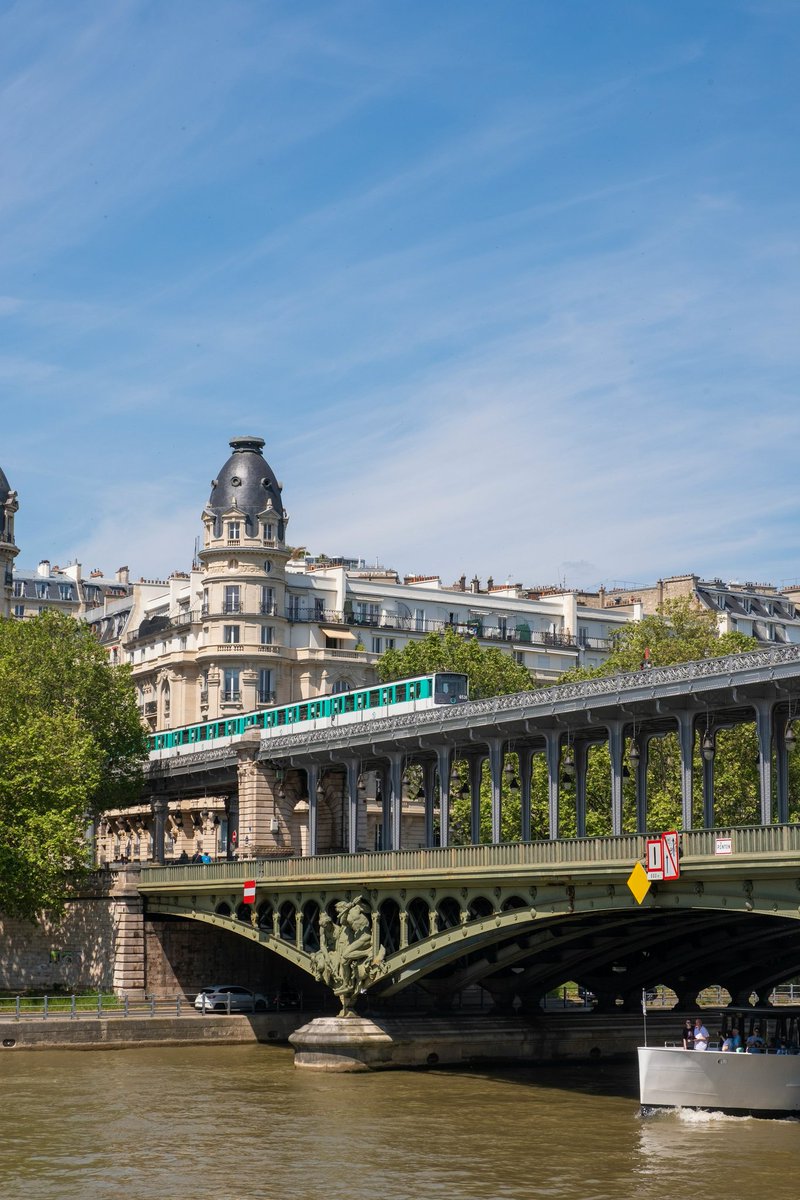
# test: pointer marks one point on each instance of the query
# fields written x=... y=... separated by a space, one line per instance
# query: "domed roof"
x=247 y=483
x=5 y=486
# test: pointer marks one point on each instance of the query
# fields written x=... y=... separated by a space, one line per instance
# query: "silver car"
x=229 y=997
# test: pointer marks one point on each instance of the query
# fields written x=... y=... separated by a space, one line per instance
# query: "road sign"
x=655 y=858
x=723 y=845
x=638 y=883
x=672 y=867
x=250 y=891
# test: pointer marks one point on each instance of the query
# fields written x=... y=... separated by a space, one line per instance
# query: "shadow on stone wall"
x=182 y=957
x=75 y=954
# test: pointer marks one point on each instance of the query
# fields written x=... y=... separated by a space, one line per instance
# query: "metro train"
x=323 y=712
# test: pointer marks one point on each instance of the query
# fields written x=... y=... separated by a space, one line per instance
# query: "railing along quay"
x=578 y=853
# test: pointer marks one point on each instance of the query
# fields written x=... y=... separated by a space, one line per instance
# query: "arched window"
x=342 y=685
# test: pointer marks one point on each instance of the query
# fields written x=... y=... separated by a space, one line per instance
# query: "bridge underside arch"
x=616 y=954
x=518 y=953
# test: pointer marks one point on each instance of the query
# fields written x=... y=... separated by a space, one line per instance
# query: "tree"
x=491 y=672
x=71 y=745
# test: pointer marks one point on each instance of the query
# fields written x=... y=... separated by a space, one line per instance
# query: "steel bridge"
x=521 y=919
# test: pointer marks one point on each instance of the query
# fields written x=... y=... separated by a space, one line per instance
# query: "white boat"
x=758 y=1084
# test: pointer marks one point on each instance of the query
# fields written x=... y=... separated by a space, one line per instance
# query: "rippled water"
x=202 y=1122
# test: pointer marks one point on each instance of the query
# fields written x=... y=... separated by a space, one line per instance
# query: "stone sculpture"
x=345 y=961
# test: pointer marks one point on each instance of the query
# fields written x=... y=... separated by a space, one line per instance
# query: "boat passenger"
x=733 y=1041
x=687 y=1034
x=755 y=1044
x=700 y=1035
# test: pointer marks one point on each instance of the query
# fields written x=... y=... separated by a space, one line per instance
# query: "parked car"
x=229 y=997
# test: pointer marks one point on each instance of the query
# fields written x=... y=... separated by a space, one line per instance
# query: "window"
x=319 y=608
x=205 y=602
x=265 y=695
x=390 y=643
x=267 y=600
x=42 y=590
x=230 y=689
x=234 y=531
x=230 y=634
x=377 y=645
x=267 y=635
x=366 y=614
x=341 y=685
x=65 y=591
x=419 y=619
x=268 y=532
x=232 y=598
x=502 y=627
x=19 y=587
x=19 y=610
x=183 y=642
x=293 y=608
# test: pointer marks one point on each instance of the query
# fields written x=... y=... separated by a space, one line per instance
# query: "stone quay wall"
x=97 y=944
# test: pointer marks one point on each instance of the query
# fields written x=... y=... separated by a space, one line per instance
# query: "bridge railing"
x=564 y=853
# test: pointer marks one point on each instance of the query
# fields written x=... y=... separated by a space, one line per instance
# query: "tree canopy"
x=491 y=672
x=71 y=745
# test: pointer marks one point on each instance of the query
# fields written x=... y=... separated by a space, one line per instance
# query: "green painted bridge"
x=520 y=919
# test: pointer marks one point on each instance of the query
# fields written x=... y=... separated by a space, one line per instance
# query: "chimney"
x=475 y=586
x=96 y=574
x=489 y=583
x=601 y=596
x=122 y=575
x=74 y=571
x=462 y=583
x=43 y=568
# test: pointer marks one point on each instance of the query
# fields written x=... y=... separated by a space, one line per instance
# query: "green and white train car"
x=343 y=708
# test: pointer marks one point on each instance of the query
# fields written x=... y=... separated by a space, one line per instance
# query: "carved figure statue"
x=345 y=961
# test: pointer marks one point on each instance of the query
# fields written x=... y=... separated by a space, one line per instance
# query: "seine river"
x=228 y=1123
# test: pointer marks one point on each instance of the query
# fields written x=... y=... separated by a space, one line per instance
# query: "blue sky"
x=509 y=288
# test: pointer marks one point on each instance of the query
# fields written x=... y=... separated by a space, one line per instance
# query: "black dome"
x=5 y=486
x=247 y=483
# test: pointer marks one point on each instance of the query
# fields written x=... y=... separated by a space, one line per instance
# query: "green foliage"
x=491 y=672
x=71 y=745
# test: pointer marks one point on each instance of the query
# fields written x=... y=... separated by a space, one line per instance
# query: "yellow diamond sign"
x=639 y=883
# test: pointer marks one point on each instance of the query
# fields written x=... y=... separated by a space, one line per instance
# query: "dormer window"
x=268 y=531
x=234 y=531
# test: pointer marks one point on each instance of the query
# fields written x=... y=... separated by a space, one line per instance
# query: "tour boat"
x=765 y=1084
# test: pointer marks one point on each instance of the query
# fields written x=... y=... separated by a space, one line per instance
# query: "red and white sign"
x=723 y=845
x=250 y=891
x=655 y=858
x=672 y=867
x=663 y=863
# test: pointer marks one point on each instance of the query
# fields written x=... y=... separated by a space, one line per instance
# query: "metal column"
x=686 y=742
x=615 y=741
x=553 y=752
x=496 y=775
x=444 y=764
x=352 y=766
x=396 y=788
x=580 y=751
x=475 y=764
x=764 y=731
x=312 y=780
x=525 y=758
x=428 y=783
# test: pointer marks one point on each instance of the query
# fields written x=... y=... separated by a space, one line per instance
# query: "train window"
x=302 y=712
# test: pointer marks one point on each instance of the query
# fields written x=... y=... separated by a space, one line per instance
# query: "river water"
x=223 y=1123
